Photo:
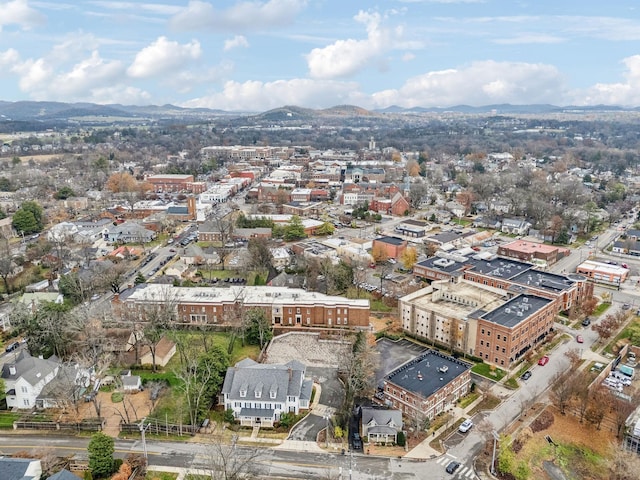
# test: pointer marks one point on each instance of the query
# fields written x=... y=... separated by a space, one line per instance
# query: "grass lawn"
x=170 y=405
x=489 y=402
x=601 y=308
x=468 y=399
x=488 y=371
x=633 y=325
x=161 y=476
x=7 y=419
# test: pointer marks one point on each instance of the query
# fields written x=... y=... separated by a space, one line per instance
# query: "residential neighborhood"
x=359 y=300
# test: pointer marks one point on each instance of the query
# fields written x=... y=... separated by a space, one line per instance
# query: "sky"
x=254 y=55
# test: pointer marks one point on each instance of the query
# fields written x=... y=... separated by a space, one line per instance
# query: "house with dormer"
x=258 y=394
x=25 y=376
x=381 y=425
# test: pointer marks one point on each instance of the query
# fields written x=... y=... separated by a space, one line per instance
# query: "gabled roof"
x=63 y=475
x=18 y=468
x=382 y=417
x=31 y=369
x=259 y=381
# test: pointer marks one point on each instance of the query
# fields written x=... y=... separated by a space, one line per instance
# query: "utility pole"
x=143 y=429
x=493 y=457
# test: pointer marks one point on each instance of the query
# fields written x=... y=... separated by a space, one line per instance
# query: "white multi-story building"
x=24 y=378
x=259 y=393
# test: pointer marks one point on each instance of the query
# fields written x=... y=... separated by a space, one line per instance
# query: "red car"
x=543 y=360
x=579 y=339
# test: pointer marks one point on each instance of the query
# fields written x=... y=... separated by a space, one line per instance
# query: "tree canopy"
x=29 y=218
x=100 y=450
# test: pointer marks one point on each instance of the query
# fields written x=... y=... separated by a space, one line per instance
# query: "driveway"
x=331 y=398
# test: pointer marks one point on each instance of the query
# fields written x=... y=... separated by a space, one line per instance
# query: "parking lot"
x=393 y=354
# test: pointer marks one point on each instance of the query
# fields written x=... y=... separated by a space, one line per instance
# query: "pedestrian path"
x=462 y=473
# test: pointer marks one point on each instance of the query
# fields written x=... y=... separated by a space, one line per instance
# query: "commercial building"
x=427 y=385
x=528 y=251
x=604 y=273
x=391 y=246
x=168 y=183
x=286 y=308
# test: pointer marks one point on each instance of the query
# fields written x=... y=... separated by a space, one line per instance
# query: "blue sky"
x=260 y=54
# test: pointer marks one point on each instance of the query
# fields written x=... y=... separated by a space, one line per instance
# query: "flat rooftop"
x=544 y=280
x=526 y=246
x=390 y=240
x=427 y=373
x=516 y=310
x=158 y=293
x=456 y=299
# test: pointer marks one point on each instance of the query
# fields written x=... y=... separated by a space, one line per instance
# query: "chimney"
x=290 y=374
x=12 y=369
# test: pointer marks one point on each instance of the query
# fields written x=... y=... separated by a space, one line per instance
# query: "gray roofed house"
x=20 y=468
x=259 y=393
x=63 y=474
x=381 y=425
x=128 y=232
x=25 y=377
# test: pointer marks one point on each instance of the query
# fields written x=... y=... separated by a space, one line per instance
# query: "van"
x=11 y=347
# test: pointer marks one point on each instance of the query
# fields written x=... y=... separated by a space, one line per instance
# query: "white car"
x=465 y=426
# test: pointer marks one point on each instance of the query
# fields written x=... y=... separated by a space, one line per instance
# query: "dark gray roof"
x=390 y=240
x=178 y=210
x=257 y=412
x=543 y=280
x=257 y=380
x=305 y=391
x=382 y=417
x=424 y=374
x=130 y=380
x=516 y=310
x=15 y=468
x=63 y=475
x=30 y=368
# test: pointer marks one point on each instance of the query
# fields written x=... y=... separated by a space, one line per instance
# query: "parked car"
x=452 y=467
x=543 y=360
x=526 y=375
x=465 y=426
x=626 y=306
x=586 y=322
x=357 y=441
x=11 y=347
x=579 y=339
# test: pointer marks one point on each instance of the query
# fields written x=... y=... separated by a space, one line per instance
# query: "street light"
x=493 y=457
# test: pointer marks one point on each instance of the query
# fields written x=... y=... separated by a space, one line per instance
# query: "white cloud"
x=8 y=59
x=254 y=15
x=155 y=8
x=346 y=57
x=407 y=57
x=625 y=93
x=480 y=83
x=236 y=42
x=260 y=96
x=86 y=76
x=18 y=12
x=163 y=56
x=528 y=39
x=121 y=94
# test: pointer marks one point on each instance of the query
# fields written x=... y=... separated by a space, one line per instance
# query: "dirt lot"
x=580 y=450
x=133 y=407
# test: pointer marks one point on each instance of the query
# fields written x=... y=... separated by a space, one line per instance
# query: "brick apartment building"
x=175 y=184
x=286 y=308
x=427 y=385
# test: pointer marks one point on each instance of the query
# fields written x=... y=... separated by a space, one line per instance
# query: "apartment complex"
x=285 y=307
x=169 y=183
x=427 y=385
x=491 y=307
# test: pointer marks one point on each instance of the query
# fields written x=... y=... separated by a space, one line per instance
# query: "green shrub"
x=117 y=397
x=228 y=416
x=401 y=439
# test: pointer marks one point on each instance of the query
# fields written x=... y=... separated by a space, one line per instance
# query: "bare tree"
x=6 y=263
x=224 y=461
x=624 y=465
x=561 y=390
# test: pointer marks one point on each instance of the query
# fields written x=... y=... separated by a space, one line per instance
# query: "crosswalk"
x=462 y=473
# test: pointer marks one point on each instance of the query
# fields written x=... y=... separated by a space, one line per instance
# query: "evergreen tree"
x=100 y=449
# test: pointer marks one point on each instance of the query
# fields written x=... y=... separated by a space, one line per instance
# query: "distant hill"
x=59 y=113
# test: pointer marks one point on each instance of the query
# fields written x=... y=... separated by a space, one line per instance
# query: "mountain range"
x=30 y=111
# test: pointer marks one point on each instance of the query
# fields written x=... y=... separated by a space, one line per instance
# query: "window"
x=498 y=336
x=497 y=348
x=482 y=343
x=25 y=402
x=483 y=331
x=345 y=321
x=24 y=389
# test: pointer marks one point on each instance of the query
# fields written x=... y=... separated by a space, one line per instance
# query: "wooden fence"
x=74 y=427
x=155 y=427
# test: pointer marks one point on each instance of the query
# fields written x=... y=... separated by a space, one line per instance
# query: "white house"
x=131 y=383
x=259 y=393
x=25 y=377
x=515 y=226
